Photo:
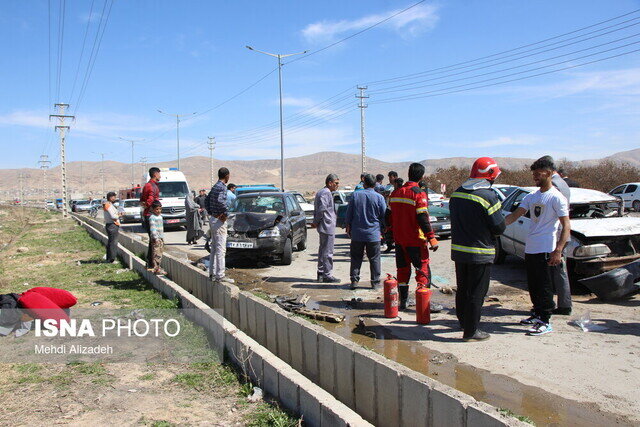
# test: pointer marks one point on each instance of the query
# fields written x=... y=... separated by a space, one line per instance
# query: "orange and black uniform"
x=411 y=233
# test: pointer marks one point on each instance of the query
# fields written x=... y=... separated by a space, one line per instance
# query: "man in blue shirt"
x=231 y=196
x=360 y=185
x=365 y=224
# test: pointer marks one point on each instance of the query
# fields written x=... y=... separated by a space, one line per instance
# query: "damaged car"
x=266 y=226
x=602 y=237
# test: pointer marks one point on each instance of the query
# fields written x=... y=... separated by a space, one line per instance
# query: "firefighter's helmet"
x=485 y=167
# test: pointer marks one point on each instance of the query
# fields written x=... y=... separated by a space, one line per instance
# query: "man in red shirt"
x=411 y=233
x=150 y=194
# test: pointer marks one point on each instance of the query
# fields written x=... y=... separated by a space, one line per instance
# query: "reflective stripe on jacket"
x=476 y=219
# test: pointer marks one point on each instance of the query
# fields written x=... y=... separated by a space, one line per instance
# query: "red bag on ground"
x=41 y=307
x=64 y=299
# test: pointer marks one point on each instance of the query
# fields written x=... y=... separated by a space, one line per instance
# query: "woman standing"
x=194 y=219
x=112 y=225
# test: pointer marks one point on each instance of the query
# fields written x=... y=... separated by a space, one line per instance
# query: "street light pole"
x=279 y=57
x=177 y=129
x=132 y=141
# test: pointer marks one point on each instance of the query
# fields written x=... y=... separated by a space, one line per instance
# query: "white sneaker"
x=226 y=279
x=540 y=328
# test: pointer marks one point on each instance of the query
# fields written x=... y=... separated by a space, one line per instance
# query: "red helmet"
x=485 y=167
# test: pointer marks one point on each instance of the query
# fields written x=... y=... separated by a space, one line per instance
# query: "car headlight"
x=271 y=232
x=432 y=219
x=586 y=251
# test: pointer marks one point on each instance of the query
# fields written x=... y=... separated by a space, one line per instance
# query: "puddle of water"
x=498 y=390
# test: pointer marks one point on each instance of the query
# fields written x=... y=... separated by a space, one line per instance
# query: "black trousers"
x=473 y=284
x=540 y=282
x=147 y=228
x=357 y=254
x=112 y=244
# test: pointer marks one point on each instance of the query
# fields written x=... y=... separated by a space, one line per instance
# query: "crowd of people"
x=396 y=215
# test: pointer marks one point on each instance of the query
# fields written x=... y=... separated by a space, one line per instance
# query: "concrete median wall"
x=379 y=390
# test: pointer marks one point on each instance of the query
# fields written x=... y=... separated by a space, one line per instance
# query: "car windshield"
x=506 y=190
x=173 y=189
x=259 y=204
x=131 y=203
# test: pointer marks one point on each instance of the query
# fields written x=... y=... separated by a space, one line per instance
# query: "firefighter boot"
x=403 y=291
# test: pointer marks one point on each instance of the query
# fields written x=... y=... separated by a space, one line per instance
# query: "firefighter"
x=476 y=218
x=409 y=220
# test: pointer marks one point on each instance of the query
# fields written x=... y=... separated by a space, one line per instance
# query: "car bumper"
x=256 y=247
x=593 y=267
x=441 y=228
x=131 y=218
x=174 y=222
x=617 y=283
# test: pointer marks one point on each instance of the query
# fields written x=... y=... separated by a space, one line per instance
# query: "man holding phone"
x=548 y=210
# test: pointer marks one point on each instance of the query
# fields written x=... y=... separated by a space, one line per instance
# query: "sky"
x=442 y=100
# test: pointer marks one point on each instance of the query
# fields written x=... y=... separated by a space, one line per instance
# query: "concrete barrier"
x=379 y=390
x=295 y=392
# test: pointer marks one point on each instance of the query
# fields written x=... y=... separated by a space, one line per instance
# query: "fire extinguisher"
x=423 y=299
x=390 y=297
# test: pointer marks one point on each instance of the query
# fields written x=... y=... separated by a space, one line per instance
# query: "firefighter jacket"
x=476 y=218
x=410 y=216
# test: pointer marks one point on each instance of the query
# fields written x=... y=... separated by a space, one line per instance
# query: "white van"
x=173 y=190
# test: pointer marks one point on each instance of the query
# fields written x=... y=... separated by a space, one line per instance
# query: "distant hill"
x=305 y=173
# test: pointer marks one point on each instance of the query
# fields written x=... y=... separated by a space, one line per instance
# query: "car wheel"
x=287 y=255
x=302 y=244
x=500 y=253
x=636 y=205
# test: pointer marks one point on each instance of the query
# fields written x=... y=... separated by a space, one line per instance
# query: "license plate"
x=446 y=226
x=172 y=221
x=136 y=216
x=240 y=245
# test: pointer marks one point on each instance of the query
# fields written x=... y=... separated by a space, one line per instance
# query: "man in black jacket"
x=476 y=219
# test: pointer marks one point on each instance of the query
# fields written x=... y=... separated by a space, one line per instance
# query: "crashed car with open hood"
x=603 y=238
x=266 y=225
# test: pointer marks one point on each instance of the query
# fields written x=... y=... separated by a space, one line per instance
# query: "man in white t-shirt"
x=548 y=210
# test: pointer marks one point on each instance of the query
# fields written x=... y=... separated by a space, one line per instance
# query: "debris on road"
x=617 y=283
x=447 y=290
x=584 y=322
x=297 y=304
x=256 y=395
x=22 y=249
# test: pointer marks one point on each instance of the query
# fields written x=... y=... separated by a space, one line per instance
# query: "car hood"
x=605 y=227
x=250 y=221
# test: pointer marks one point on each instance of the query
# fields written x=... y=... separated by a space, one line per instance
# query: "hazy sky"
x=189 y=56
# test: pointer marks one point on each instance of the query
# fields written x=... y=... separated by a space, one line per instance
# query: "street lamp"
x=132 y=141
x=279 y=56
x=177 y=129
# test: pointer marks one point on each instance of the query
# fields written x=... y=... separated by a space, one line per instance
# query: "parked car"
x=435 y=198
x=440 y=219
x=630 y=194
x=130 y=208
x=602 y=238
x=305 y=205
x=341 y=199
x=80 y=206
x=266 y=225
x=49 y=204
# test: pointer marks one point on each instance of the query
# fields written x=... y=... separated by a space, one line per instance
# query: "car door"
x=520 y=227
x=629 y=195
x=506 y=239
x=295 y=217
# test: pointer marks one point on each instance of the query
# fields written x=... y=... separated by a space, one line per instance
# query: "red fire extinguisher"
x=390 y=297
x=423 y=298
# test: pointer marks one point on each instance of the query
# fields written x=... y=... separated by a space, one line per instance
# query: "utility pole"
x=132 y=141
x=279 y=56
x=362 y=106
x=44 y=165
x=177 y=129
x=80 y=182
x=143 y=162
x=62 y=129
x=212 y=146
x=102 y=171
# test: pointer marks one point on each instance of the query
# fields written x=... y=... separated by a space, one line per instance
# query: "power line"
x=471 y=62
x=434 y=93
x=356 y=33
x=84 y=41
x=394 y=89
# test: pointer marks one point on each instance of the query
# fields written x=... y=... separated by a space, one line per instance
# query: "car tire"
x=636 y=205
x=500 y=253
x=302 y=244
x=287 y=254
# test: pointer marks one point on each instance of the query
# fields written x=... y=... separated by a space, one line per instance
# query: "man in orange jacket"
x=412 y=233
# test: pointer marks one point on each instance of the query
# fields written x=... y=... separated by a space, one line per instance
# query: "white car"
x=629 y=193
x=131 y=211
x=602 y=238
x=435 y=198
x=305 y=205
x=503 y=190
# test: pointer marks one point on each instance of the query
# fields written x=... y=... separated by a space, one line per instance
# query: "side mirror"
x=514 y=206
